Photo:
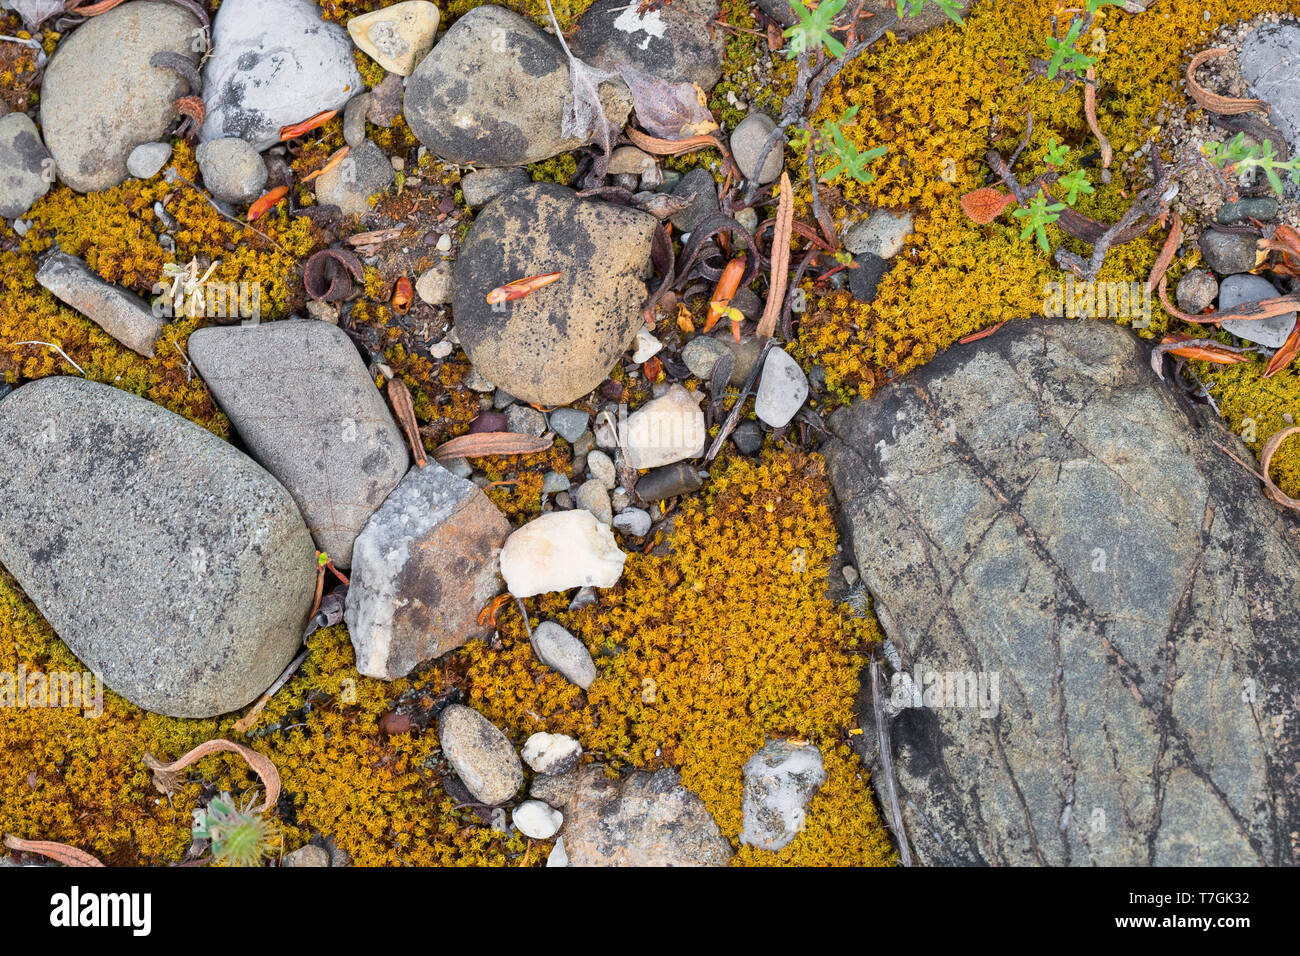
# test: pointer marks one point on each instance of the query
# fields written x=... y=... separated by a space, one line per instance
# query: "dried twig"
x=1090 y=110
x=57 y=349
x=244 y=723
x=59 y=852
x=400 y=398
x=780 y=275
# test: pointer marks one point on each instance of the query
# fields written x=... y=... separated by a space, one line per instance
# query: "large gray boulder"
x=170 y=563
x=1094 y=607
x=274 y=63
x=557 y=343
x=101 y=98
x=303 y=403
x=644 y=819
x=1270 y=59
x=426 y=564
x=492 y=93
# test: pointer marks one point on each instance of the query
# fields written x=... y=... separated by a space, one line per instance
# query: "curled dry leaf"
x=295 y=130
x=1223 y=105
x=1266 y=459
x=264 y=204
x=984 y=205
x=483 y=444
x=403 y=293
x=780 y=276
x=1167 y=252
x=165 y=775
x=326 y=275
x=521 y=287
x=1199 y=350
x=1286 y=354
x=665 y=109
x=59 y=852
x=400 y=397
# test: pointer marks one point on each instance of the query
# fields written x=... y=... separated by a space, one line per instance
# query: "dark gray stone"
x=865 y=279
x=167 y=561
x=569 y=423
x=1037 y=508
x=1263 y=208
x=747 y=141
x=698 y=183
x=1238 y=290
x=233 y=170
x=302 y=401
x=484 y=185
x=364 y=172
x=491 y=93
x=668 y=482
x=748 y=437
x=672 y=42
x=1228 y=253
x=558 y=343
x=126 y=317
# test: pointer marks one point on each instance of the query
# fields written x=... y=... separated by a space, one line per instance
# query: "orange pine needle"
x=725 y=290
x=338 y=157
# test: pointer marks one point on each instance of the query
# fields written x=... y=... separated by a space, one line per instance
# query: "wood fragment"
x=1167 y=253
x=399 y=396
x=1266 y=460
x=1286 y=354
x=780 y=274
x=1224 y=105
x=886 y=759
x=1090 y=110
x=244 y=723
x=59 y=852
x=982 y=334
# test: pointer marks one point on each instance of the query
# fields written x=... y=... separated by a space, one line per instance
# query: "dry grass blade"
x=1266 y=459
x=1286 y=354
x=1167 y=252
x=483 y=444
x=338 y=157
x=1223 y=105
x=672 y=147
x=780 y=260
x=400 y=398
x=244 y=723
x=1090 y=110
x=59 y=852
x=885 y=752
x=164 y=774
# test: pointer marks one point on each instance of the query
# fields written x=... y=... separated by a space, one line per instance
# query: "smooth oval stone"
x=482 y=756
x=169 y=562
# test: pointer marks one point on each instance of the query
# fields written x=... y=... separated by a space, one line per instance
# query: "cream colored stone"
x=666 y=430
x=558 y=551
x=396 y=37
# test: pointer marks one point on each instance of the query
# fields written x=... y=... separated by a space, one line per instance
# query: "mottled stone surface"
x=167 y=561
x=480 y=754
x=125 y=316
x=780 y=780
x=423 y=568
x=397 y=36
x=303 y=403
x=1270 y=59
x=1038 y=508
x=25 y=168
x=492 y=93
x=645 y=819
x=101 y=98
x=364 y=172
x=559 y=342
x=672 y=42
x=274 y=63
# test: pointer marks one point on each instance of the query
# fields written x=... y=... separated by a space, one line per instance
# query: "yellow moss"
x=566 y=11
x=560 y=169
x=706 y=652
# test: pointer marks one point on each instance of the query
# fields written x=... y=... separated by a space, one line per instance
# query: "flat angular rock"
x=101 y=98
x=126 y=317
x=1095 y=609
x=780 y=781
x=274 y=63
x=672 y=42
x=397 y=37
x=423 y=568
x=25 y=167
x=561 y=550
x=781 y=391
x=481 y=755
x=558 y=343
x=1242 y=289
x=1270 y=59
x=303 y=403
x=645 y=819
x=167 y=561
x=492 y=93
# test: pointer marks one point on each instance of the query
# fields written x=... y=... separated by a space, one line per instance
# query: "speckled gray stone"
x=481 y=755
x=299 y=395
x=166 y=560
x=747 y=143
x=147 y=159
x=569 y=423
x=563 y=653
x=232 y=169
x=672 y=42
x=126 y=317
x=364 y=172
x=1039 y=509
x=26 y=169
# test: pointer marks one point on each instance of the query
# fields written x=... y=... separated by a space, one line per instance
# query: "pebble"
x=663 y=483
x=865 y=279
x=563 y=653
x=1197 y=290
x=386 y=102
x=666 y=430
x=145 y=162
x=647 y=346
x=484 y=185
x=702 y=353
x=882 y=234
x=1228 y=253
x=671 y=42
x=488 y=421
x=782 y=390
x=480 y=754
x=475 y=381
x=619 y=499
x=594 y=496
x=501 y=399
x=435 y=288
x=633 y=521
x=364 y=171
x=558 y=551
x=525 y=420
x=698 y=183
x=747 y=437
x=397 y=37
x=232 y=170
x=535 y=819
x=459 y=467
x=309 y=855
x=779 y=782
x=557 y=856
x=354 y=119
x=748 y=218
x=747 y=143
x=1263 y=208
x=569 y=423
x=1238 y=290
x=551 y=753
x=602 y=468
x=628 y=160
x=553 y=482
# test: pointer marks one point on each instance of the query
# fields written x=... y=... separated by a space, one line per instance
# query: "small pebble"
x=633 y=521
x=551 y=753
x=668 y=482
x=563 y=653
x=553 y=482
x=647 y=346
x=701 y=353
x=147 y=159
x=525 y=420
x=748 y=437
x=569 y=423
x=747 y=143
x=594 y=496
x=602 y=469
x=435 y=285
x=535 y=819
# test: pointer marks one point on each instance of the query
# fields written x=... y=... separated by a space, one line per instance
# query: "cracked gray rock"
x=1038 y=508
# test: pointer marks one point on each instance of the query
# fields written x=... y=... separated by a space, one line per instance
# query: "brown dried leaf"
x=400 y=397
x=668 y=110
x=780 y=260
x=1090 y=110
x=1286 y=354
x=1264 y=309
x=986 y=204
x=483 y=444
x=1223 y=105
x=673 y=147
x=1266 y=459
x=164 y=774
x=59 y=852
